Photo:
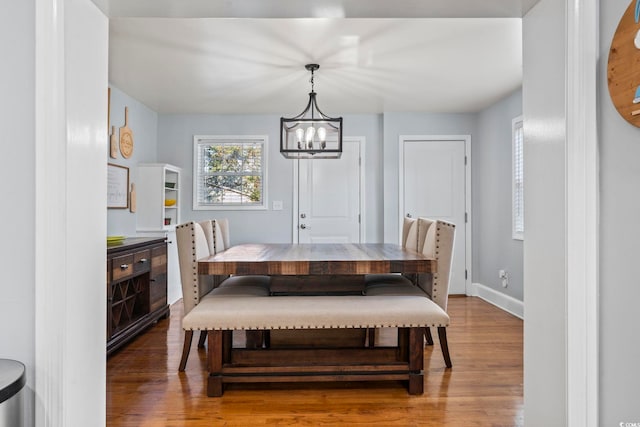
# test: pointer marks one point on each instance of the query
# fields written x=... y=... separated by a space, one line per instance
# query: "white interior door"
x=433 y=185
x=329 y=198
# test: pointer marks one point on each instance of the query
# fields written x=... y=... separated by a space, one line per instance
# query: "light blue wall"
x=175 y=146
x=172 y=142
x=493 y=247
x=143 y=123
x=619 y=236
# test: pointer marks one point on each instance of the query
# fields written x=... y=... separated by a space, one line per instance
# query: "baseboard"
x=500 y=300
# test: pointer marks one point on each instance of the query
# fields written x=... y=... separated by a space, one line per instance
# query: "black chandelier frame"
x=310 y=116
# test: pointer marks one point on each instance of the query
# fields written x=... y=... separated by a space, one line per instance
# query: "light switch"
x=277 y=205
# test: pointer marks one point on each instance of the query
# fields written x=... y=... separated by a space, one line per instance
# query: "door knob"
x=303 y=226
x=408 y=215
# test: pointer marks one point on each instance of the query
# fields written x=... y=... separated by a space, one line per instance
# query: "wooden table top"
x=316 y=259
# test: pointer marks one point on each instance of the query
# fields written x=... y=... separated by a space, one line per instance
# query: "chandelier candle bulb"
x=300 y=136
x=322 y=134
x=311 y=131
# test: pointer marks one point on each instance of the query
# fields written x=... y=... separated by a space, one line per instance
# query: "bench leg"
x=416 y=361
x=214 y=364
x=188 y=336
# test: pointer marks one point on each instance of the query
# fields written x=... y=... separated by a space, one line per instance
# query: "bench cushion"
x=229 y=312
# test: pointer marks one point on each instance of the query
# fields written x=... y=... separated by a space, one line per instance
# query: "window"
x=229 y=172
x=517 y=137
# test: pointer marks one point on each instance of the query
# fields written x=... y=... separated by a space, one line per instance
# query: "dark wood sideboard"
x=136 y=288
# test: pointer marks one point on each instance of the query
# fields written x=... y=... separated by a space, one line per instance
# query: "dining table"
x=331 y=268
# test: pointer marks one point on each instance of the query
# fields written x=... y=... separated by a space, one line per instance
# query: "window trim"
x=516 y=123
x=200 y=140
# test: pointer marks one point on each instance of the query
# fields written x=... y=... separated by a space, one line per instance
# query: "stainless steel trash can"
x=12 y=381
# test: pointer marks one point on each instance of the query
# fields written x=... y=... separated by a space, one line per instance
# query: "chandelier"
x=311 y=134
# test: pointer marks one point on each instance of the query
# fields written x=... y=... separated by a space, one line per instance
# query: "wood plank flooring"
x=484 y=387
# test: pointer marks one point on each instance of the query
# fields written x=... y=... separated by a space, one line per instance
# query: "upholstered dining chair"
x=193 y=245
x=217 y=234
x=437 y=239
x=410 y=240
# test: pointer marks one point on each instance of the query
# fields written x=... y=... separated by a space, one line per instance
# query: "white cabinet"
x=158 y=197
x=156 y=183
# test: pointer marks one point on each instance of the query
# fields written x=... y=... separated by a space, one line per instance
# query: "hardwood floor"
x=484 y=387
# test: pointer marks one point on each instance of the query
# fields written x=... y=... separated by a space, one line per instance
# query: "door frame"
x=467 y=183
x=295 y=209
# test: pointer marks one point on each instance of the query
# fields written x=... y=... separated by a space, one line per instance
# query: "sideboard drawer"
x=142 y=261
x=122 y=267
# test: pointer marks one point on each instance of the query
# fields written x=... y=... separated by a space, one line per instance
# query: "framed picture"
x=117 y=186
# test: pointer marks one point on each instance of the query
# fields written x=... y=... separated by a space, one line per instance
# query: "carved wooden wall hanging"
x=623 y=68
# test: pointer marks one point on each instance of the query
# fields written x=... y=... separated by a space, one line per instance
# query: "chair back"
x=209 y=230
x=410 y=234
x=216 y=232
x=437 y=242
x=192 y=246
x=222 y=235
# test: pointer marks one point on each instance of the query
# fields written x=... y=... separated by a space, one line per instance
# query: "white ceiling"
x=218 y=64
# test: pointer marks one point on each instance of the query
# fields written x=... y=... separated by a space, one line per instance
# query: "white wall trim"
x=500 y=300
x=582 y=214
x=50 y=217
x=296 y=203
x=70 y=144
x=467 y=152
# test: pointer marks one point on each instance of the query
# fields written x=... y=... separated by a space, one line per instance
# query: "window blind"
x=518 y=178
x=229 y=172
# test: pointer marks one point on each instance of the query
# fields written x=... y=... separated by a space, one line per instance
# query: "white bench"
x=220 y=314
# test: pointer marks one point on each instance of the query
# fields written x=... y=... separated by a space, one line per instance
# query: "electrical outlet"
x=504 y=276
